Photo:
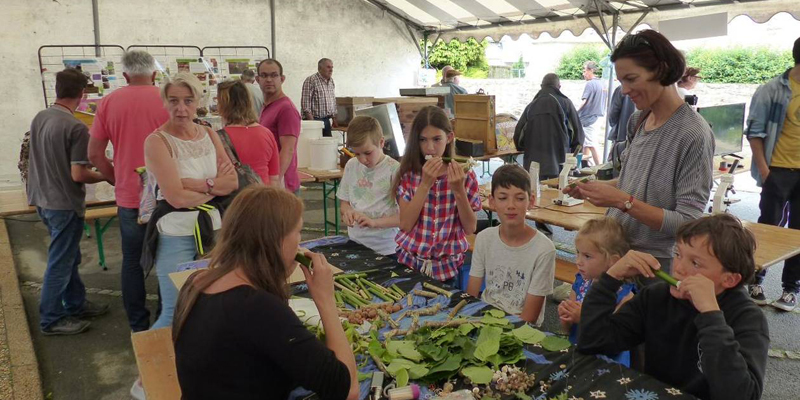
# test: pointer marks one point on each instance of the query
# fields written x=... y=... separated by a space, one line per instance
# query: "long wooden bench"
x=96 y=215
x=565 y=270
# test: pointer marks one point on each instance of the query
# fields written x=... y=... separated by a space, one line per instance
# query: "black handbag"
x=245 y=173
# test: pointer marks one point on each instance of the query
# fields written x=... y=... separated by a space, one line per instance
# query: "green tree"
x=571 y=64
x=739 y=65
x=469 y=56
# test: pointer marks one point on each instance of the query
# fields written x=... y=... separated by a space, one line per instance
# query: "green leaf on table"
x=555 y=343
x=496 y=313
x=362 y=376
x=432 y=351
x=447 y=338
x=376 y=349
x=465 y=329
x=401 y=378
x=522 y=396
x=417 y=371
x=405 y=348
x=491 y=320
x=478 y=375
x=452 y=363
x=496 y=360
x=399 y=363
x=488 y=342
x=437 y=333
x=528 y=335
x=468 y=350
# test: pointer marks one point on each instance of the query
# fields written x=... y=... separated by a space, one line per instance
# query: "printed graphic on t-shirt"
x=507 y=285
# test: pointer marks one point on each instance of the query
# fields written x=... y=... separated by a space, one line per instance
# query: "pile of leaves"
x=471 y=347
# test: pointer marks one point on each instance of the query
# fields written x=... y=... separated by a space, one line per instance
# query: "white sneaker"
x=137 y=390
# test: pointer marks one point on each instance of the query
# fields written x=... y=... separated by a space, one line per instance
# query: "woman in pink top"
x=254 y=144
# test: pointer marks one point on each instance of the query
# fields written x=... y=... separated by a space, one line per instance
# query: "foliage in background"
x=734 y=65
x=468 y=57
x=739 y=65
x=571 y=65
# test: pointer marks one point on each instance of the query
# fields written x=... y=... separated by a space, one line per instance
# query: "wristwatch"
x=628 y=205
x=210 y=184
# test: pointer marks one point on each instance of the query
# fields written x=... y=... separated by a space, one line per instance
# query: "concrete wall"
x=373 y=54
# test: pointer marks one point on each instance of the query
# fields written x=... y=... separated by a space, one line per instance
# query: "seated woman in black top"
x=235 y=335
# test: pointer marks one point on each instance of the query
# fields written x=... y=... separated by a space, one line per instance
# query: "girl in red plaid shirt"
x=437 y=199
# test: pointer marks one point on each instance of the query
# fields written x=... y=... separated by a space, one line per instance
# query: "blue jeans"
x=172 y=251
x=326 y=129
x=132 y=274
x=63 y=292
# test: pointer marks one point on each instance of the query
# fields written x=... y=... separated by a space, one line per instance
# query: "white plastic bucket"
x=324 y=154
x=309 y=131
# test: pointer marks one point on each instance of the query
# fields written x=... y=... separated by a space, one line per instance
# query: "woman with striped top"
x=666 y=174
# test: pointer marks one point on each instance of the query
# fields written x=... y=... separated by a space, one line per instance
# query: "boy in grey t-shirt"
x=517 y=262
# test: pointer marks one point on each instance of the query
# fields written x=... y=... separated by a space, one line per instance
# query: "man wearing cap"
x=451 y=80
x=591 y=111
x=444 y=76
x=318 y=100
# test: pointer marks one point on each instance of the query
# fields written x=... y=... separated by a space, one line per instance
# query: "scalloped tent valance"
x=479 y=19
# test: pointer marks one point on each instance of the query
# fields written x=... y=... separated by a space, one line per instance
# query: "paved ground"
x=100 y=365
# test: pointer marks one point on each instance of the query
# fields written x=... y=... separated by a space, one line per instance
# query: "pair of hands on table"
x=696 y=288
x=570 y=311
x=436 y=167
x=352 y=218
x=599 y=194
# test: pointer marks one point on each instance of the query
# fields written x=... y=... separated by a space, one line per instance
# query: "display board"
x=171 y=59
x=101 y=64
x=228 y=62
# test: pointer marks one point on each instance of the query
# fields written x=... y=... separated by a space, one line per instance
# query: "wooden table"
x=326 y=177
x=774 y=244
x=15 y=202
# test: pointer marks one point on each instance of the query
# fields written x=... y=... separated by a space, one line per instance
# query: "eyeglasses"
x=265 y=75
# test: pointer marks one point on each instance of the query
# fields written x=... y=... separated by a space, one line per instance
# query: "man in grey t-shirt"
x=58 y=170
x=591 y=110
x=249 y=78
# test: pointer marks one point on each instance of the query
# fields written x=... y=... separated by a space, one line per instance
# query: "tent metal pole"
x=426 y=55
x=606 y=147
x=596 y=29
x=272 y=27
x=96 y=23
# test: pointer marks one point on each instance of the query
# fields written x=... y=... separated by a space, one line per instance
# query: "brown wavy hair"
x=413 y=160
x=235 y=104
x=253 y=229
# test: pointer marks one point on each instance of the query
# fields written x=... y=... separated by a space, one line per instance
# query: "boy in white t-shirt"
x=517 y=262
x=368 y=209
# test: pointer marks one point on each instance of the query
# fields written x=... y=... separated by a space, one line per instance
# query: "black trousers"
x=782 y=190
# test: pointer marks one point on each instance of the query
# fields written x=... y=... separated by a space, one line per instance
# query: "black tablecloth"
x=559 y=375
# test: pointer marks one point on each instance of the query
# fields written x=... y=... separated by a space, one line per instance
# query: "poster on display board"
x=102 y=75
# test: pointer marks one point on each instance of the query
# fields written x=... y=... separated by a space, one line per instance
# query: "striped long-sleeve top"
x=671 y=168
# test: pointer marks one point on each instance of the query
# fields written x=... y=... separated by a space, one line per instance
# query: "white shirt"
x=368 y=192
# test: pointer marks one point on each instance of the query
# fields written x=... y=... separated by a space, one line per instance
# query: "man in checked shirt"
x=319 y=101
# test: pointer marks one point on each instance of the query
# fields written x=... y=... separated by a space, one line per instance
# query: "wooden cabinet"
x=475 y=119
x=407 y=108
x=347 y=106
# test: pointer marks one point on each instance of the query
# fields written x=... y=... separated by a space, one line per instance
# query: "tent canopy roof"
x=464 y=19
